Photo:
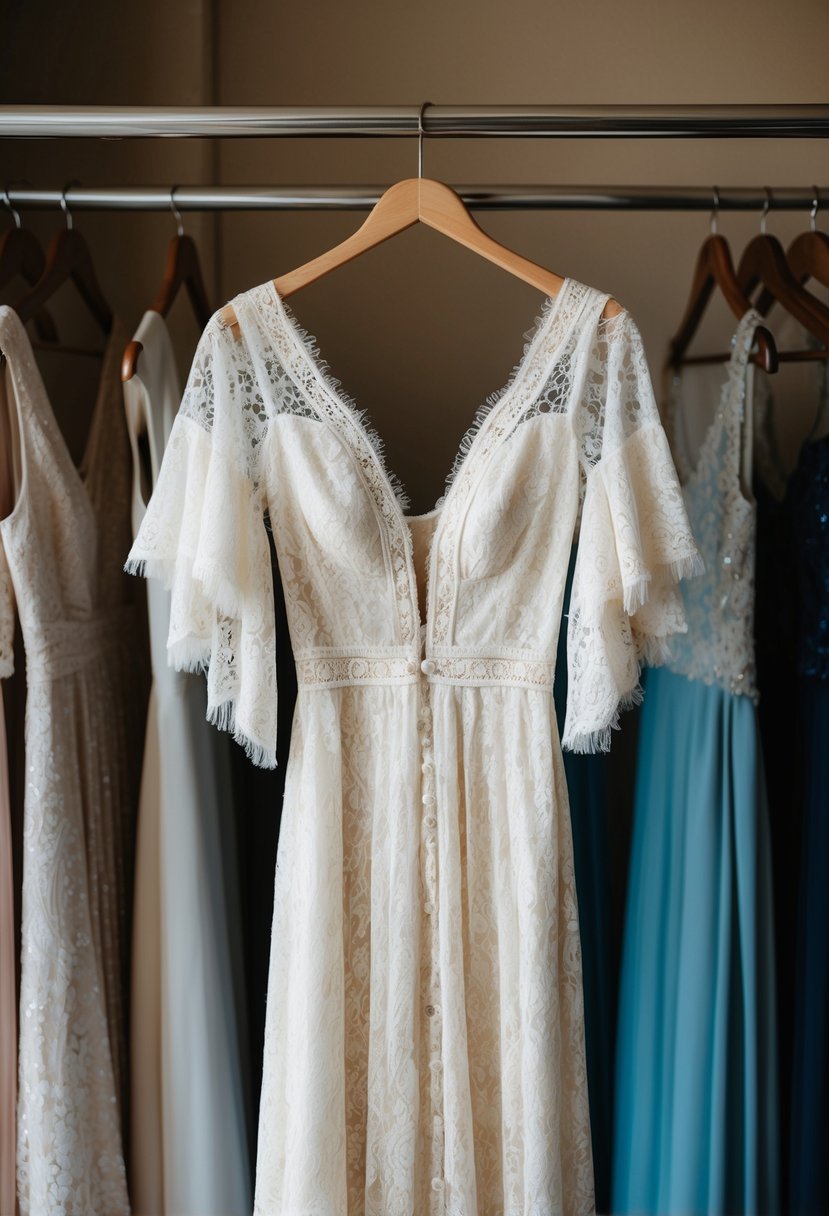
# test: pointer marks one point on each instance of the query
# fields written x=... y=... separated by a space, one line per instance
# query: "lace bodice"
x=718 y=647
x=63 y=540
x=264 y=428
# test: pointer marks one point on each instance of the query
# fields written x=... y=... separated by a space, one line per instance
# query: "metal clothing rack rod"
x=625 y=122
x=362 y=198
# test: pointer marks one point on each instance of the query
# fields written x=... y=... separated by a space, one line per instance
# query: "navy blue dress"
x=809 y=1139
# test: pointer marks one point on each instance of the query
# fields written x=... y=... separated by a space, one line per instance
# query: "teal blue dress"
x=696 y=1115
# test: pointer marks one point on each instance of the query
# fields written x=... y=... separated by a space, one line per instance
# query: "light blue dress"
x=696 y=1115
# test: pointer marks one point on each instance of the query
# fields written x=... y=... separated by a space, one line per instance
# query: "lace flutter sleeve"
x=204 y=536
x=635 y=541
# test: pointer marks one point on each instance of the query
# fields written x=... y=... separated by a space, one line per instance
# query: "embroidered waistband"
x=332 y=669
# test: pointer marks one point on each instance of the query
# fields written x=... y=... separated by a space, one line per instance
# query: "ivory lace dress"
x=84 y=634
x=425 y=1028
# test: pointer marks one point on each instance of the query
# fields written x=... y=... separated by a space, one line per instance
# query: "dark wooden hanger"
x=764 y=263
x=182 y=269
x=808 y=257
x=68 y=258
x=410 y=201
x=715 y=268
x=22 y=254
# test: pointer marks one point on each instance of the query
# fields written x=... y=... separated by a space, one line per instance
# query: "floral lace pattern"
x=719 y=607
x=61 y=550
x=430 y=1055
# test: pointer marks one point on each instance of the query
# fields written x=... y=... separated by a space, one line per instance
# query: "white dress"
x=189 y=1135
x=424 y=1045
x=87 y=680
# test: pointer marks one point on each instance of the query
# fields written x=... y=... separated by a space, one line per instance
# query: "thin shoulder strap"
x=26 y=400
x=738 y=405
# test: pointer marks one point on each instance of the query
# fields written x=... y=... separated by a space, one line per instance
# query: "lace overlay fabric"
x=718 y=647
x=424 y=1040
x=86 y=667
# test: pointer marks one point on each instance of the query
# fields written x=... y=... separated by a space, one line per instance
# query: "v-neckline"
x=307 y=345
x=79 y=474
x=735 y=369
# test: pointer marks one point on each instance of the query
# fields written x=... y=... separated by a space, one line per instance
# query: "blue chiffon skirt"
x=696 y=1126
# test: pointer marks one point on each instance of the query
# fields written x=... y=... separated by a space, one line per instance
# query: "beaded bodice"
x=718 y=647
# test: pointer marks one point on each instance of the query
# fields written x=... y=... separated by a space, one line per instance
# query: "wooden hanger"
x=808 y=256
x=68 y=257
x=764 y=262
x=21 y=254
x=407 y=202
x=182 y=269
x=715 y=268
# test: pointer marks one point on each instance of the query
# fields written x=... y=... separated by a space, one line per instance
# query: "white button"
x=428 y=799
x=428 y=907
x=437 y=1184
x=427 y=667
x=431 y=822
x=426 y=766
x=430 y=1011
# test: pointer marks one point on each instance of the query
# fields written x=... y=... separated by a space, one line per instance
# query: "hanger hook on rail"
x=766 y=209
x=712 y=222
x=64 y=204
x=18 y=223
x=814 y=210
x=176 y=212
x=420 y=139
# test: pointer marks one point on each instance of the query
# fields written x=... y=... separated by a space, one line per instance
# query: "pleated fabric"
x=696 y=1127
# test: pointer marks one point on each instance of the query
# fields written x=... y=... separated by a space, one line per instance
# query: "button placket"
x=431 y=1007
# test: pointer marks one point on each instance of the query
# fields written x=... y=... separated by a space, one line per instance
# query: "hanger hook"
x=64 y=205
x=176 y=212
x=814 y=210
x=15 y=213
x=766 y=208
x=712 y=223
x=420 y=139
